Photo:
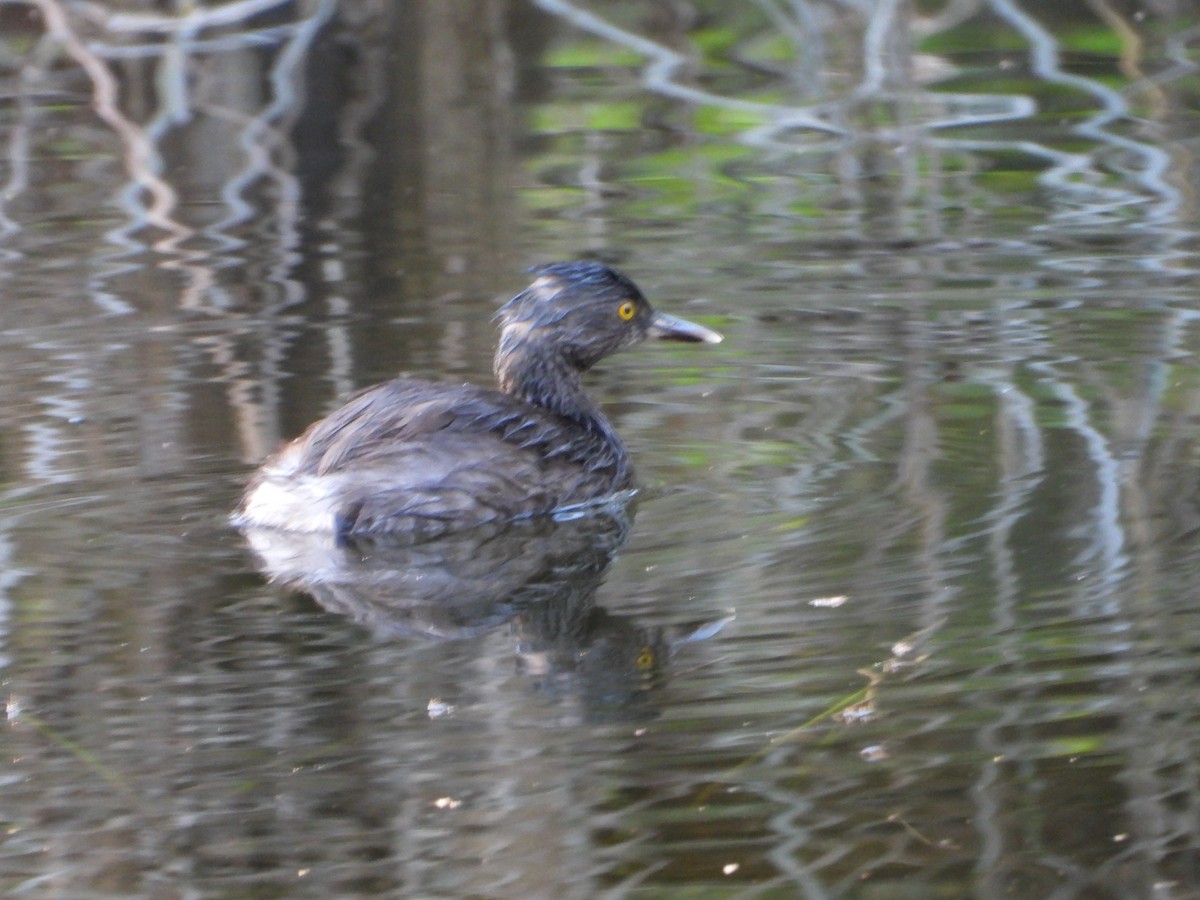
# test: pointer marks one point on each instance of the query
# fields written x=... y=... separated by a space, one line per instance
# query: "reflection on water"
x=539 y=576
x=455 y=586
x=943 y=468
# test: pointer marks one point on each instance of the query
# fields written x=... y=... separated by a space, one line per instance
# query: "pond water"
x=908 y=604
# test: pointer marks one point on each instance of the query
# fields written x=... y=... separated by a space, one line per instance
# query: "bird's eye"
x=626 y=310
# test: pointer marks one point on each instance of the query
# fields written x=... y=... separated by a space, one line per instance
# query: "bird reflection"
x=538 y=576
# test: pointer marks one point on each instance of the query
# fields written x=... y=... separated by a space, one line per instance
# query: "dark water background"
x=909 y=609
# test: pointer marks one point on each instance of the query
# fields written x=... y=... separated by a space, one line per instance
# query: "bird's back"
x=421 y=458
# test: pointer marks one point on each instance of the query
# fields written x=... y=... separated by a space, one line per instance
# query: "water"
x=907 y=608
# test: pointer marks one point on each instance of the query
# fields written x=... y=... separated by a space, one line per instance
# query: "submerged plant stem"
x=81 y=753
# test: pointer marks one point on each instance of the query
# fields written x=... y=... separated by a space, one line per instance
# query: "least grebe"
x=414 y=457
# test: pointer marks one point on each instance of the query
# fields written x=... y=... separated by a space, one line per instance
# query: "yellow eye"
x=626 y=310
x=645 y=659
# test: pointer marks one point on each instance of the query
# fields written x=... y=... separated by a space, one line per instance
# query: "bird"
x=418 y=458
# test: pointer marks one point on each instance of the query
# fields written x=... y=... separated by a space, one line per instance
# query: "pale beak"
x=670 y=328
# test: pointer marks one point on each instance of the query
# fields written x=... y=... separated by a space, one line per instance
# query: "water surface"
x=907 y=608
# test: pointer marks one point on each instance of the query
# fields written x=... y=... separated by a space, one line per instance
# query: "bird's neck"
x=546 y=379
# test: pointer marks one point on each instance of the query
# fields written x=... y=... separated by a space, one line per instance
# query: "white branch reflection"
x=141 y=155
x=662 y=72
x=1091 y=185
x=1148 y=175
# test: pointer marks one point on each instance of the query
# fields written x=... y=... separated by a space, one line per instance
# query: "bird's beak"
x=669 y=328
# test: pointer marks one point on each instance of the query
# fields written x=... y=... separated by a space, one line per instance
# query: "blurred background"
x=908 y=607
